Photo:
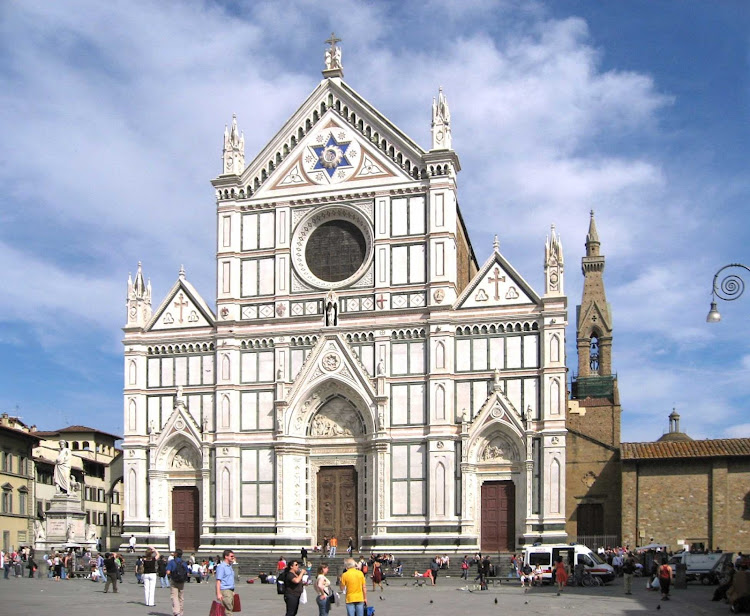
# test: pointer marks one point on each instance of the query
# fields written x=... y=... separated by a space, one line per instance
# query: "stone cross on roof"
x=333 y=66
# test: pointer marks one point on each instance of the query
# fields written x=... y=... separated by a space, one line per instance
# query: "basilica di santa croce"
x=363 y=375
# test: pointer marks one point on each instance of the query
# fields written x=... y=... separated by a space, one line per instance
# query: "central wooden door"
x=337 y=504
x=185 y=518
x=498 y=516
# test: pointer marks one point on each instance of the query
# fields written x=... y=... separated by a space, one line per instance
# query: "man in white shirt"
x=131 y=543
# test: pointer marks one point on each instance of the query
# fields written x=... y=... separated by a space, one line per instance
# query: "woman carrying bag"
x=323 y=590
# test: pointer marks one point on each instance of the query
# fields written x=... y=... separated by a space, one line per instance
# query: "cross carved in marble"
x=181 y=303
x=496 y=280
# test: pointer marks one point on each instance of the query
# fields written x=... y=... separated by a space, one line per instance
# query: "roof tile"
x=709 y=448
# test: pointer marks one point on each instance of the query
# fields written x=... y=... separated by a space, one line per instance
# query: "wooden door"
x=185 y=518
x=498 y=516
x=590 y=519
x=337 y=504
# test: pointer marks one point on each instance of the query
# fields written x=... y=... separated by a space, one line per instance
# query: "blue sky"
x=112 y=121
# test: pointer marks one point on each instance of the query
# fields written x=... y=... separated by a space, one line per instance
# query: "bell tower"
x=594 y=317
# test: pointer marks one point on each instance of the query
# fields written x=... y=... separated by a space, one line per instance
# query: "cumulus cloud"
x=112 y=129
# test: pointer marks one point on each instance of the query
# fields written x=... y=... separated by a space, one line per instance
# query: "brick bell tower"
x=593 y=422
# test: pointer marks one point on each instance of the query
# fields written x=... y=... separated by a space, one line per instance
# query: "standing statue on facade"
x=62 y=469
x=39 y=533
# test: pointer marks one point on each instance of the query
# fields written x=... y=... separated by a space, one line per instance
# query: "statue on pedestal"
x=62 y=469
x=39 y=532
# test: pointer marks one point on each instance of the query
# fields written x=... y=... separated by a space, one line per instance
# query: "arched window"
x=131 y=415
x=132 y=372
x=225 y=367
x=132 y=503
x=594 y=355
x=554 y=486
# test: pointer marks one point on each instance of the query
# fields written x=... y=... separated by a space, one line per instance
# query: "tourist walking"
x=225 y=581
x=161 y=571
x=110 y=566
x=323 y=591
x=353 y=581
x=377 y=575
x=561 y=575
x=665 y=579
x=149 y=575
x=178 y=572
x=628 y=570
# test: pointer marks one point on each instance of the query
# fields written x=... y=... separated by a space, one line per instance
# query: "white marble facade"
x=353 y=328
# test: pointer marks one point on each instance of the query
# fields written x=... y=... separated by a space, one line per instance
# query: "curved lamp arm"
x=730 y=288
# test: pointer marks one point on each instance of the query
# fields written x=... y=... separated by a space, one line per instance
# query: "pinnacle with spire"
x=139 y=299
x=592 y=238
x=441 y=123
x=496 y=244
x=233 y=155
x=554 y=264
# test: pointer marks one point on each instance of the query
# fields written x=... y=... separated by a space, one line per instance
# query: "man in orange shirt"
x=353 y=581
x=334 y=545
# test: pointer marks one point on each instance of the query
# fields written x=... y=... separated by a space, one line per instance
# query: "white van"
x=546 y=556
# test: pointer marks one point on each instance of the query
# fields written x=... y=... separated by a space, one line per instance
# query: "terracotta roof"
x=30 y=436
x=74 y=429
x=710 y=448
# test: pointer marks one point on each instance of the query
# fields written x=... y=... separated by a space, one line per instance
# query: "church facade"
x=363 y=375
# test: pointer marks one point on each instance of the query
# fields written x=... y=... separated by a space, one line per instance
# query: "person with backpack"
x=178 y=572
x=628 y=570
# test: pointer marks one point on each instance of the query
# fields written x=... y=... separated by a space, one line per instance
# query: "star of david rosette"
x=333 y=157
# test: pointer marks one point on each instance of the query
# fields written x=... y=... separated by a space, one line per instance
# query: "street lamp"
x=730 y=288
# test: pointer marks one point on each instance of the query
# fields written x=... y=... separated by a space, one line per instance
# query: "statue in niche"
x=90 y=533
x=70 y=535
x=332 y=311
x=380 y=371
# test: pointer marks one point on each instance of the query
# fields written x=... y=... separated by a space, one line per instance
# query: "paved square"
x=42 y=597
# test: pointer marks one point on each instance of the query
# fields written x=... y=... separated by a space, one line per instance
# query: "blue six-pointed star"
x=331 y=156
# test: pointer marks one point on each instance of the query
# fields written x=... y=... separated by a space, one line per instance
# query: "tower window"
x=594 y=355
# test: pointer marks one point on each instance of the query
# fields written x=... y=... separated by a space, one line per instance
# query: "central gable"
x=332 y=154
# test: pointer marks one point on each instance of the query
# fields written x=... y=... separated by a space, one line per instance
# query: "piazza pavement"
x=37 y=597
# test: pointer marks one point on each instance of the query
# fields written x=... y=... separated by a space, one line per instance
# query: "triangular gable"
x=181 y=425
x=300 y=133
x=496 y=284
x=593 y=313
x=497 y=408
x=182 y=308
x=332 y=357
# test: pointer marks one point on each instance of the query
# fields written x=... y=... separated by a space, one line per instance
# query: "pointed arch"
x=132 y=415
x=132 y=495
x=554 y=349
x=226 y=368
x=226 y=493
x=554 y=397
x=440 y=355
x=132 y=372
x=440 y=495
x=439 y=402
x=225 y=411
x=554 y=486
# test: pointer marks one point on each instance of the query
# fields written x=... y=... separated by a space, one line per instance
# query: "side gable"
x=496 y=284
x=182 y=308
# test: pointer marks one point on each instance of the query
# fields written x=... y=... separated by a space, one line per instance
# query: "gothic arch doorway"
x=337 y=504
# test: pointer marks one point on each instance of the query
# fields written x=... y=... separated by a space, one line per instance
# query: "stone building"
x=593 y=470
x=97 y=469
x=363 y=374
x=681 y=491
x=16 y=483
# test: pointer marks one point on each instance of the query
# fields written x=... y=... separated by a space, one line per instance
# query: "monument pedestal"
x=65 y=524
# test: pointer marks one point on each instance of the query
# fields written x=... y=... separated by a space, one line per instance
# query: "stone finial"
x=496 y=244
x=333 y=64
x=233 y=154
x=182 y=271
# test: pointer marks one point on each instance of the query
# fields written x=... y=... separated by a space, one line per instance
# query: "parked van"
x=546 y=556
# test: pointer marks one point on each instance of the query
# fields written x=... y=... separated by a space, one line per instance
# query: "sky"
x=112 y=117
